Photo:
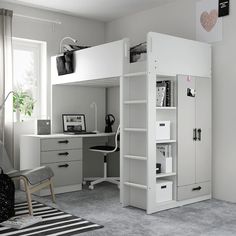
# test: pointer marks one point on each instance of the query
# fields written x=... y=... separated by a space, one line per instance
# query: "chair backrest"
x=5 y=163
x=117 y=137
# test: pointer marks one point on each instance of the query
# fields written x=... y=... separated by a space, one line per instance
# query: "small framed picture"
x=73 y=123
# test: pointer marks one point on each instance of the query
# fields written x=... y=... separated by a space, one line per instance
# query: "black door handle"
x=63 y=154
x=194 y=134
x=65 y=165
x=199 y=134
x=197 y=188
x=63 y=141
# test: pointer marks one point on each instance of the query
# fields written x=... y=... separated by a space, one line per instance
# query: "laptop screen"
x=73 y=123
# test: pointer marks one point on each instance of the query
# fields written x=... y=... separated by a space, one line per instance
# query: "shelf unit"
x=165 y=141
x=133 y=102
x=167 y=57
x=162 y=175
x=165 y=108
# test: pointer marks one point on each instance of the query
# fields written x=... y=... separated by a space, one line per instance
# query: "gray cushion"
x=34 y=176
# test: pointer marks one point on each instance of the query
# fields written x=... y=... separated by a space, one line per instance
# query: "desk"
x=62 y=152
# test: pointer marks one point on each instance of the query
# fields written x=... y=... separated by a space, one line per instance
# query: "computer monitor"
x=73 y=123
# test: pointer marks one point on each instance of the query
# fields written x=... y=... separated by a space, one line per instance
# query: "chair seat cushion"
x=104 y=148
x=34 y=176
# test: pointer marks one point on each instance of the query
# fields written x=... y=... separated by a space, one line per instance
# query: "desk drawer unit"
x=61 y=156
x=54 y=144
x=67 y=173
x=194 y=190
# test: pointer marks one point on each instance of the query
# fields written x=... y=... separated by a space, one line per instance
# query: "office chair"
x=34 y=179
x=106 y=150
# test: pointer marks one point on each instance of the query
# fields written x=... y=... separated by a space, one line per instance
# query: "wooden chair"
x=34 y=180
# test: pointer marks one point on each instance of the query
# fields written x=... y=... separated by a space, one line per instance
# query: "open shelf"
x=136 y=74
x=130 y=102
x=135 y=130
x=165 y=108
x=141 y=158
x=135 y=185
x=161 y=175
x=166 y=141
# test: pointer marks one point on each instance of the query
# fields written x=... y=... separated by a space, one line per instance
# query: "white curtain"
x=6 y=114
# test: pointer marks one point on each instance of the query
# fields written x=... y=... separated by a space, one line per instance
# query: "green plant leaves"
x=24 y=102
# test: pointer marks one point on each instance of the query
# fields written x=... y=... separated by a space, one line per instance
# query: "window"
x=29 y=75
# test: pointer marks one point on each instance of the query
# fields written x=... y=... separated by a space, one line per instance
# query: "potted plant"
x=23 y=103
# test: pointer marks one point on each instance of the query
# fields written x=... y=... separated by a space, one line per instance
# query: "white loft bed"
x=99 y=65
x=109 y=65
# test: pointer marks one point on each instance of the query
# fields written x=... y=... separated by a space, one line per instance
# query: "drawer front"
x=67 y=173
x=60 y=144
x=194 y=190
x=62 y=155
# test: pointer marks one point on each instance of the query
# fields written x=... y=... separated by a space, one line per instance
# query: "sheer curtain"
x=6 y=114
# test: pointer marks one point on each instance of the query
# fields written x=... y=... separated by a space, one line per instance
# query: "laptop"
x=74 y=124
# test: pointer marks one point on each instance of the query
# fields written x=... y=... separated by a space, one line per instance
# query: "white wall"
x=88 y=32
x=175 y=19
x=224 y=110
x=179 y=19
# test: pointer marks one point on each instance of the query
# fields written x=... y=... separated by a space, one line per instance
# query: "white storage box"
x=163 y=190
x=162 y=130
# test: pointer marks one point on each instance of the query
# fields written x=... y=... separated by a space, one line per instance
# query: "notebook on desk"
x=75 y=124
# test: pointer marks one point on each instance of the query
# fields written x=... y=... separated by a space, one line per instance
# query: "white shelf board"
x=161 y=175
x=130 y=102
x=135 y=157
x=141 y=186
x=166 y=141
x=137 y=74
x=135 y=129
x=165 y=108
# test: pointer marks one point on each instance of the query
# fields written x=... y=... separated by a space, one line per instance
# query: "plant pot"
x=17 y=113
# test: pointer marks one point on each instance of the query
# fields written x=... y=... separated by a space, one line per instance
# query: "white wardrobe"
x=194 y=137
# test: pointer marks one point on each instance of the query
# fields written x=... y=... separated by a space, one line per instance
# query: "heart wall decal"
x=209 y=20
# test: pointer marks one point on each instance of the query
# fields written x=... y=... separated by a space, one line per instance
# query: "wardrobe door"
x=186 y=126
x=203 y=125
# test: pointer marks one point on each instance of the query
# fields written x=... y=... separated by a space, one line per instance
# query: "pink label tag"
x=188 y=78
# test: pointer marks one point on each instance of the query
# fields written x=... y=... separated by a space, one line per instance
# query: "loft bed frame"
x=109 y=65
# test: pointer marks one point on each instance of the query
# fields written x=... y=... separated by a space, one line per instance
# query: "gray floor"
x=213 y=218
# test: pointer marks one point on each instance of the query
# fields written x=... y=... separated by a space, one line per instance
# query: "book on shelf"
x=165 y=149
x=160 y=93
x=164 y=157
x=166 y=99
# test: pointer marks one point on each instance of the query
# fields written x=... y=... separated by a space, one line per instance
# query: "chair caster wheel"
x=91 y=187
x=84 y=183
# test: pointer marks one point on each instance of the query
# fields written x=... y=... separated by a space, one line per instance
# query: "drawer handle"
x=63 y=154
x=63 y=141
x=195 y=134
x=65 y=165
x=164 y=186
x=197 y=189
x=199 y=134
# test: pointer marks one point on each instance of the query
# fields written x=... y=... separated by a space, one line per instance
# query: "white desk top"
x=70 y=135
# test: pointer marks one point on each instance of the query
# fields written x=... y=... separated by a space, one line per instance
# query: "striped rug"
x=55 y=222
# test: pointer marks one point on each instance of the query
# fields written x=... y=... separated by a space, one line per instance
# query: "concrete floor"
x=211 y=218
